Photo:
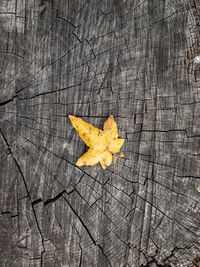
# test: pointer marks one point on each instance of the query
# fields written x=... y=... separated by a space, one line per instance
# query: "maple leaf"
x=103 y=145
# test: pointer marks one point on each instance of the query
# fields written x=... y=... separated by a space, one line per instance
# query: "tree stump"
x=136 y=60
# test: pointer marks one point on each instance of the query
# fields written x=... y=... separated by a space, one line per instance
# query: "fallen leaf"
x=103 y=145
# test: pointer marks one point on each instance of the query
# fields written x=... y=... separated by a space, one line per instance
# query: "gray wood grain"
x=130 y=58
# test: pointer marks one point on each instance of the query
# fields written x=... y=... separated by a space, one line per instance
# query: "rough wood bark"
x=129 y=58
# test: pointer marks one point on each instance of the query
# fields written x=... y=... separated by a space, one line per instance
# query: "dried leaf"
x=103 y=145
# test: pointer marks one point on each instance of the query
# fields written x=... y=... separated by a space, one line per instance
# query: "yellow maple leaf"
x=103 y=145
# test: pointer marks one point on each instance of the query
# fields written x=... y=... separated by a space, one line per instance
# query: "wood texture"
x=130 y=58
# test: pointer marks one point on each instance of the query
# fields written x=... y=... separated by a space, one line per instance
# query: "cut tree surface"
x=133 y=59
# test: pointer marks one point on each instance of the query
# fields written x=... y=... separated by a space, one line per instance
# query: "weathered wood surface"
x=129 y=58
